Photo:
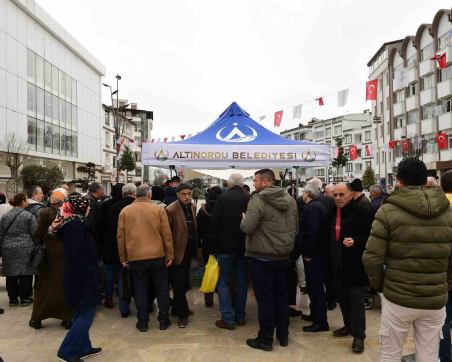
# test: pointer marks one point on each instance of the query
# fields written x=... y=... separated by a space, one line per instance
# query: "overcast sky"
x=188 y=60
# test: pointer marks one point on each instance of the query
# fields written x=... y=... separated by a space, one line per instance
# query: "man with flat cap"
x=182 y=220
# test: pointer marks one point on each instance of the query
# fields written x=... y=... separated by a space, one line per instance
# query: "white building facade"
x=50 y=89
x=414 y=99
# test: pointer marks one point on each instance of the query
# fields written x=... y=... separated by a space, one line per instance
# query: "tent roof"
x=235 y=127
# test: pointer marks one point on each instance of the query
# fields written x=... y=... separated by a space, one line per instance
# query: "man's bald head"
x=342 y=194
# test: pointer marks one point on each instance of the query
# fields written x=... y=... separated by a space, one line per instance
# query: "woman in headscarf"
x=16 y=246
x=205 y=235
x=81 y=276
x=49 y=299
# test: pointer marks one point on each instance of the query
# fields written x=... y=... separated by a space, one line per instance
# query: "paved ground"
x=201 y=341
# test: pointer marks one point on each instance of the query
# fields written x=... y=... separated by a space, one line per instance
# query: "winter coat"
x=93 y=216
x=81 y=270
x=346 y=263
x=271 y=224
x=376 y=204
x=144 y=232
x=35 y=207
x=109 y=246
x=364 y=202
x=179 y=229
x=408 y=255
x=17 y=243
x=310 y=241
x=206 y=235
x=170 y=195
x=226 y=219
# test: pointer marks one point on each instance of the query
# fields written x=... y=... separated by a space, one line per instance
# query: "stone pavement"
x=200 y=342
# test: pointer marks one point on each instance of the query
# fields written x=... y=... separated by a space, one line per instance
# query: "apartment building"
x=414 y=99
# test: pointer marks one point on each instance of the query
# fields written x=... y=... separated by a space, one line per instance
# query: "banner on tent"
x=166 y=154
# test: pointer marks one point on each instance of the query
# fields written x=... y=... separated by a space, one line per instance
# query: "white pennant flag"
x=297 y=112
x=342 y=98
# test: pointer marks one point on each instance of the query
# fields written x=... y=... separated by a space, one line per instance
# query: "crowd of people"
x=141 y=241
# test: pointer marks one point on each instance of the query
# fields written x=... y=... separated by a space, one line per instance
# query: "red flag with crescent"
x=441 y=140
x=392 y=144
x=278 y=118
x=353 y=152
x=371 y=90
x=320 y=100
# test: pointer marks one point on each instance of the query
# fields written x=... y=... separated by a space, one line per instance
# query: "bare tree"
x=13 y=151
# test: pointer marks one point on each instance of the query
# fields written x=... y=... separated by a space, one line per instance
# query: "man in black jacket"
x=230 y=250
x=310 y=243
x=351 y=229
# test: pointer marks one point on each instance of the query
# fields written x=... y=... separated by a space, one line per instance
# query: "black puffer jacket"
x=206 y=235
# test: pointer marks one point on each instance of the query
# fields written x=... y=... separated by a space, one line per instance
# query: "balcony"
x=444 y=88
x=411 y=75
x=445 y=121
x=399 y=133
x=430 y=157
x=427 y=96
x=426 y=67
x=412 y=130
x=428 y=126
x=446 y=154
x=399 y=108
x=412 y=103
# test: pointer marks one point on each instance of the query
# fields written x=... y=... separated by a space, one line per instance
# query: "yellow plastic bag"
x=211 y=275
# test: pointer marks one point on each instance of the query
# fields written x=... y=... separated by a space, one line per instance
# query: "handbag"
x=211 y=276
x=37 y=256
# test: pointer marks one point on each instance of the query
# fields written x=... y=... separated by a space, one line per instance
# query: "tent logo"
x=309 y=156
x=162 y=155
x=236 y=135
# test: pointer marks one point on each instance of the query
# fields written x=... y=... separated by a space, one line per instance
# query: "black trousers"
x=269 y=283
x=330 y=283
x=291 y=282
x=20 y=286
x=351 y=300
x=314 y=270
x=180 y=277
x=142 y=271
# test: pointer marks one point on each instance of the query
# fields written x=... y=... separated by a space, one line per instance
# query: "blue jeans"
x=445 y=344
x=77 y=340
x=238 y=265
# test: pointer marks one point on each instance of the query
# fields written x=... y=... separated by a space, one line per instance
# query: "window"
x=62 y=113
x=74 y=144
x=358 y=138
x=48 y=106
x=450 y=141
x=68 y=143
x=63 y=141
x=31 y=100
x=40 y=135
x=411 y=90
x=427 y=52
x=107 y=136
x=368 y=164
x=320 y=172
x=367 y=136
x=400 y=96
x=398 y=122
x=337 y=130
x=54 y=80
x=56 y=140
x=445 y=74
x=68 y=115
x=48 y=134
x=39 y=71
x=445 y=40
x=382 y=157
x=428 y=81
x=413 y=117
x=358 y=167
x=378 y=157
x=74 y=91
x=107 y=121
x=318 y=134
x=138 y=156
x=68 y=88
x=62 y=84
x=328 y=132
x=349 y=167
x=55 y=109
x=31 y=131
x=138 y=172
x=39 y=103
x=74 y=118
x=446 y=105
x=348 y=138
x=31 y=66
x=48 y=76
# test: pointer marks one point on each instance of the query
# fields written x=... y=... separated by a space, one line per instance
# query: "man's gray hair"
x=129 y=189
x=377 y=189
x=143 y=190
x=312 y=191
x=236 y=179
x=315 y=182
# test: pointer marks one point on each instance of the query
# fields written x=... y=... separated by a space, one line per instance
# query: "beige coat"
x=179 y=229
x=144 y=232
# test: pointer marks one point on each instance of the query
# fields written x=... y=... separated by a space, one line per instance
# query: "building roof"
x=382 y=48
x=51 y=25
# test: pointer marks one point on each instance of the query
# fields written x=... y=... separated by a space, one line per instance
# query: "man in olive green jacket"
x=270 y=225
x=408 y=258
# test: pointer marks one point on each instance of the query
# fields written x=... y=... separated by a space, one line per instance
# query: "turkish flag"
x=442 y=61
x=371 y=90
x=278 y=118
x=182 y=136
x=368 y=150
x=320 y=100
x=405 y=145
x=353 y=152
x=392 y=144
x=441 y=139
